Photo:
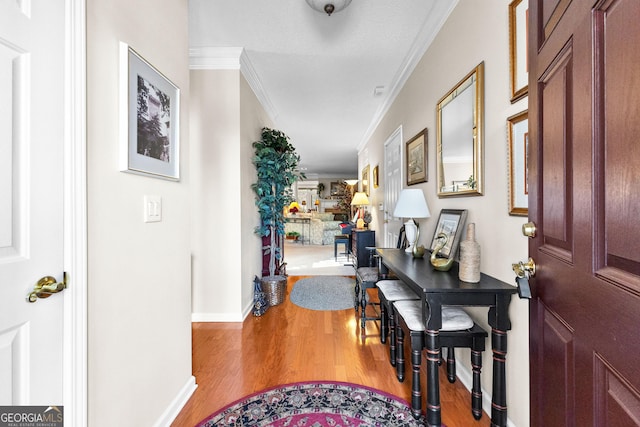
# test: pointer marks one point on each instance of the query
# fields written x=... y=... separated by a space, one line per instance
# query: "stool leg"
x=384 y=325
x=417 y=344
x=363 y=306
x=476 y=390
x=335 y=250
x=392 y=338
x=400 y=353
x=451 y=364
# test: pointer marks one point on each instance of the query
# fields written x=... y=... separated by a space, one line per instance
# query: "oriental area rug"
x=316 y=404
x=324 y=293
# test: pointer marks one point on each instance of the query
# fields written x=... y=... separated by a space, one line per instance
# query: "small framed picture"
x=150 y=110
x=449 y=228
x=365 y=180
x=417 y=158
x=518 y=44
x=375 y=177
x=518 y=136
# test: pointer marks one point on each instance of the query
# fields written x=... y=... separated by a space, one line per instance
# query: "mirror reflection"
x=459 y=137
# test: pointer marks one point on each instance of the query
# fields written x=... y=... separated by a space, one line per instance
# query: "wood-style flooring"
x=291 y=344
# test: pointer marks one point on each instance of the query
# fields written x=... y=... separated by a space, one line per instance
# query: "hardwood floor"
x=291 y=344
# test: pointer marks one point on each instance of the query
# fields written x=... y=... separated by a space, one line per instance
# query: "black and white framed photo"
x=150 y=110
x=450 y=223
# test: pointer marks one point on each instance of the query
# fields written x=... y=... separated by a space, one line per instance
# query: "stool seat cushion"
x=453 y=318
x=368 y=274
x=396 y=290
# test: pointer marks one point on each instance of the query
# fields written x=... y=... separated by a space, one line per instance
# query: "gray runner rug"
x=324 y=293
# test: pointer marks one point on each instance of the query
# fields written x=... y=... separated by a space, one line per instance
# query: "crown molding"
x=215 y=58
x=430 y=30
x=232 y=58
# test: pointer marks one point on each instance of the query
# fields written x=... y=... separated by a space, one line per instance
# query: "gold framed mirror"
x=460 y=122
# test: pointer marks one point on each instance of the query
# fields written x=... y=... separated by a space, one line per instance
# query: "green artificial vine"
x=276 y=164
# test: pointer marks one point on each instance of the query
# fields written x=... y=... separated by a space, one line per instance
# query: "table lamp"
x=360 y=199
x=411 y=204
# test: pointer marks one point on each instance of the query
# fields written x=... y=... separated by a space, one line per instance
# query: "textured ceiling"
x=318 y=74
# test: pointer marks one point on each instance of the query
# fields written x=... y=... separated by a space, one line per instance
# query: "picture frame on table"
x=150 y=119
x=518 y=149
x=518 y=45
x=416 y=156
x=450 y=222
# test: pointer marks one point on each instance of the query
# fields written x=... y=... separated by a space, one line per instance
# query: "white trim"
x=75 y=217
x=215 y=58
x=223 y=317
x=430 y=30
x=176 y=405
x=232 y=58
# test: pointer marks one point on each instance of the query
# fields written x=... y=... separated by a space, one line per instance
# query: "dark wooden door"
x=584 y=124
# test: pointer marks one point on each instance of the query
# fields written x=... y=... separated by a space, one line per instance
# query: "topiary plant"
x=276 y=164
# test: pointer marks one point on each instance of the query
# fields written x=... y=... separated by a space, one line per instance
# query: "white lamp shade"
x=360 y=199
x=411 y=204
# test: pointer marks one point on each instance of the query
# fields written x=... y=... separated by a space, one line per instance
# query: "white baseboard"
x=172 y=411
x=465 y=376
x=223 y=317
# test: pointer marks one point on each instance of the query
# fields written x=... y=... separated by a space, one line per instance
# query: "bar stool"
x=340 y=239
x=390 y=291
x=458 y=330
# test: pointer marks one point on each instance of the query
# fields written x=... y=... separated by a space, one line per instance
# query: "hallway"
x=291 y=344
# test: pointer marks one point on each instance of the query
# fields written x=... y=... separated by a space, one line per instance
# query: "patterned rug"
x=324 y=293
x=316 y=404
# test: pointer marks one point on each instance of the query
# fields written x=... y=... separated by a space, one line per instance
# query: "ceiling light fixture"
x=328 y=6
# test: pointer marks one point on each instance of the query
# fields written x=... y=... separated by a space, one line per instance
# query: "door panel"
x=31 y=203
x=392 y=186
x=584 y=101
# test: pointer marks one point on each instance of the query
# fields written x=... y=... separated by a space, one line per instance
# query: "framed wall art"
x=365 y=180
x=375 y=177
x=149 y=122
x=518 y=148
x=518 y=45
x=416 y=154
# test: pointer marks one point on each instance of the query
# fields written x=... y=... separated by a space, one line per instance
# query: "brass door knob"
x=525 y=269
x=46 y=287
x=529 y=229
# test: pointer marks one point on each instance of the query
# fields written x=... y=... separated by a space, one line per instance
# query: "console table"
x=439 y=288
x=304 y=221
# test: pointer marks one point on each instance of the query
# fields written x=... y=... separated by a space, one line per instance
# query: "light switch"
x=152 y=208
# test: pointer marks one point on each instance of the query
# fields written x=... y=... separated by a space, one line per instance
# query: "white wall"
x=475 y=32
x=139 y=308
x=226 y=117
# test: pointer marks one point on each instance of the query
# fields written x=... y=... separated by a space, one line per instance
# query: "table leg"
x=499 y=397
x=433 y=378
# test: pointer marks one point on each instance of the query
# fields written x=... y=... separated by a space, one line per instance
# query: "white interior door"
x=31 y=199
x=392 y=186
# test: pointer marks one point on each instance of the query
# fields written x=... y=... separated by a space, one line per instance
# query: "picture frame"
x=365 y=180
x=450 y=222
x=375 y=177
x=416 y=158
x=518 y=149
x=149 y=120
x=518 y=45
x=335 y=189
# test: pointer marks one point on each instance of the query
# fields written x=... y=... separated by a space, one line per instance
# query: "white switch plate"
x=152 y=208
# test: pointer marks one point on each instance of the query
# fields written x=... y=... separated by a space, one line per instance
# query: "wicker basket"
x=274 y=287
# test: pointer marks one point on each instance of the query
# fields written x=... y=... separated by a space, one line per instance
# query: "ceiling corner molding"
x=251 y=76
x=215 y=58
x=431 y=28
